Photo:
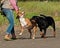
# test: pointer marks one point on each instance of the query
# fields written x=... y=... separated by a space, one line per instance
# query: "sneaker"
x=13 y=38
x=7 y=38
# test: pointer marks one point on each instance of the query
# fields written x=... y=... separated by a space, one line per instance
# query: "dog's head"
x=20 y=15
x=35 y=18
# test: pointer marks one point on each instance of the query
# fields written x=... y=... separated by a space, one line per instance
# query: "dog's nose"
x=17 y=17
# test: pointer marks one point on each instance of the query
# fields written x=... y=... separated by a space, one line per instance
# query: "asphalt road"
x=24 y=41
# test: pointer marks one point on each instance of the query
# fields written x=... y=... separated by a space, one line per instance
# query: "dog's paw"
x=33 y=38
x=20 y=34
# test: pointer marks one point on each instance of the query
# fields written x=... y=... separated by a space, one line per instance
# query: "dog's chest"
x=23 y=22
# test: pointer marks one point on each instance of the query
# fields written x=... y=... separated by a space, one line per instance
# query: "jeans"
x=10 y=17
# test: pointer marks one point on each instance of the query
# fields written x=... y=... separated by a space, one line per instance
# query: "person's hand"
x=17 y=12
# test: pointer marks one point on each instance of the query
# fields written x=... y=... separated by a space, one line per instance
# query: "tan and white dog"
x=28 y=24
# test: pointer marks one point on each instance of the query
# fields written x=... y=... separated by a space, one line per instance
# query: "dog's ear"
x=17 y=17
x=33 y=21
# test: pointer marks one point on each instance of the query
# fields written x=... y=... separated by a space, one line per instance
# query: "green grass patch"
x=32 y=8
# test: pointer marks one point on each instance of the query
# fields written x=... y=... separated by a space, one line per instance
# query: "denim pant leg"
x=9 y=15
x=11 y=21
x=12 y=31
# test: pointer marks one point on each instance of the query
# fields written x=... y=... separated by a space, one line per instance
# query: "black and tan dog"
x=29 y=24
x=43 y=23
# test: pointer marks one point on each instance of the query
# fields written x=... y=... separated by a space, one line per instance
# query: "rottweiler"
x=44 y=22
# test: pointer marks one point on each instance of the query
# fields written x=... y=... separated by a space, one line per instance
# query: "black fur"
x=44 y=22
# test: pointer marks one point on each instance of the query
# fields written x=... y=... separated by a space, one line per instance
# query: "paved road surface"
x=24 y=41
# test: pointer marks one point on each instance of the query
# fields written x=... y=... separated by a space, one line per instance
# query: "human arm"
x=13 y=3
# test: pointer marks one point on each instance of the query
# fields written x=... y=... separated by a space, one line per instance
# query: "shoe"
x=7 y=38
x=13 y=38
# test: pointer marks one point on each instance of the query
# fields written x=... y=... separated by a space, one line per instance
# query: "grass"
x=36 y=8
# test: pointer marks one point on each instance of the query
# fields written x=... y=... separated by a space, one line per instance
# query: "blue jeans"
x=10 y=17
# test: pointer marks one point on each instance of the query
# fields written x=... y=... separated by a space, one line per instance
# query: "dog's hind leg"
x=54 y=30
x=29 y=30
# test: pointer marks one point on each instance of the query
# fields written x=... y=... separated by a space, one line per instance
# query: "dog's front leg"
x=34 y=33
x=21 y=31
x=41 y=33
x=44 y=34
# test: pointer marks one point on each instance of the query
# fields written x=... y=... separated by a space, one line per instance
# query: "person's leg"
x=9 y=15
x=12 y=24
x=13 y=33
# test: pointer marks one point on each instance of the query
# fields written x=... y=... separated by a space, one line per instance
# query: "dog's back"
x=49 y=20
